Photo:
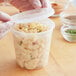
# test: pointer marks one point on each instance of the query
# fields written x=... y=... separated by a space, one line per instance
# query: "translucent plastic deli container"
x=32 y=48
x=69 y=33
x=68 y=29
x=68 y=17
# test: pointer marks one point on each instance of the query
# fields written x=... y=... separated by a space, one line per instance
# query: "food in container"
x=32 y=49
x=33 y=27
x=68 y=17
x=71 y=20
x=32 y=38
x=69 y=33
x=68 y=30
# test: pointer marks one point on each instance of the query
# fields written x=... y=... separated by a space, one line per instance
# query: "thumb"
x=4 y=17
x=5 y=28
x=35 y=3
x=45 y=3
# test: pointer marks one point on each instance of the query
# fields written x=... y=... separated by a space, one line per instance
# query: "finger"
x=22 y=5
x=35 y=3
x=45 y=3
x=1 y=1
x=5 y=27
x=4 y=17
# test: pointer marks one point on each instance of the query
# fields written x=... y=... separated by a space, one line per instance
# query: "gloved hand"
x=4 y=17
x=4 y=26
x=23 y=5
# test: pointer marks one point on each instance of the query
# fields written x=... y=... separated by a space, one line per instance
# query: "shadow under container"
x=32 y=49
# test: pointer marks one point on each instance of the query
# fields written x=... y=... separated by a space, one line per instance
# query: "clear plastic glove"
x=5 y=25
x=23 y=5
x=5 y=28
x=73 y=2
x=1 y=1
x=4 y=17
